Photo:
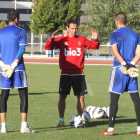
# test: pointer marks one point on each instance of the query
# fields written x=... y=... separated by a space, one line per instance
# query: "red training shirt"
x=71 y=57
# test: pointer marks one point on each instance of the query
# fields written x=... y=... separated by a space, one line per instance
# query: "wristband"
x=123 y=63
x=132 y=62
x=14 y=64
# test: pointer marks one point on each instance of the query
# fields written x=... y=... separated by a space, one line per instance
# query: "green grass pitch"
x=43 y=82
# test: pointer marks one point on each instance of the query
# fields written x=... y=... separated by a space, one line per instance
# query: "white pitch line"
x=58 y=63
x=90 y=92
x=41 y=63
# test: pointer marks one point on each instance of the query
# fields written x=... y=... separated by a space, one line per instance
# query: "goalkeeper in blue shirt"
x=12 y=46
x=125 y=45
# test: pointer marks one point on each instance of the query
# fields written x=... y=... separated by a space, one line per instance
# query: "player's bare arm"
x=137 y=56
x=55 y=34
x=116 y=53
x=119 y=58
x=94 y=35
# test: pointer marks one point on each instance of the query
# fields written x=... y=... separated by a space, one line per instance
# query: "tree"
x=102 y=12
x=2 y=24
x=49 y=15
x=84 y=30
x=38 y=36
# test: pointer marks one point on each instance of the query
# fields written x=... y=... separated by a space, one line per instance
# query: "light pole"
x=15 y=5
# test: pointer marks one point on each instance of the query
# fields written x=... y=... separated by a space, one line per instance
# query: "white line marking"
x=90 y=92
x=58 y=63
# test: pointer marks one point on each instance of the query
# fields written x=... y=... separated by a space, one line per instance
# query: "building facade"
x=25 y=9
x=84 y=18
x=23 y=6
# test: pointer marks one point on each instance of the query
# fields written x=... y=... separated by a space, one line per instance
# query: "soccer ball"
x=72 y=120
x=98 y=113
x=88 y=108
x=76 y=121
x=85 y=117
x=105 y=114
x=106 y=111
x=91 y=111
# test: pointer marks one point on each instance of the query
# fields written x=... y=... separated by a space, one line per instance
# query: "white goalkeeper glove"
x=128 y=69
x=9 y=71
x=133 y=72
x=124 y=68
x=3 y=66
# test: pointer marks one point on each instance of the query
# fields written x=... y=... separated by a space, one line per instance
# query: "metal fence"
x=37 y=43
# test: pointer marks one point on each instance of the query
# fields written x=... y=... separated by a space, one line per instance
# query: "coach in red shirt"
x=71 y=61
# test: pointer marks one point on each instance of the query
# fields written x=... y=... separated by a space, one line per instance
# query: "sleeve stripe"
x=114 y=44
x=22 y=44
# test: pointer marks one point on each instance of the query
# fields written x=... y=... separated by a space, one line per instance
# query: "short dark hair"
x=71 y=21
x=121 y=18
x=12 y=15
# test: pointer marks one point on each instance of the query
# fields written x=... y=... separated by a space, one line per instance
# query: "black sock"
x=136 y=101
x=113 y=108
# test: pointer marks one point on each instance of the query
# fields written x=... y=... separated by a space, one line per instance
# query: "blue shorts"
x=120 y=82
x=18 y=79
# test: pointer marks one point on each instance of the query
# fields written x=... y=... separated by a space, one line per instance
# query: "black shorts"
x=77 y=82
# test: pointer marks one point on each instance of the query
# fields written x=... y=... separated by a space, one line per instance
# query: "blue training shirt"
x=127 y=41
x=11 y=37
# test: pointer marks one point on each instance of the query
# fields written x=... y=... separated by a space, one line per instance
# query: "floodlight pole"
x=15 y=5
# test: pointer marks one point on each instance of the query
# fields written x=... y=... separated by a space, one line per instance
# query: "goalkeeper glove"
x=10 y=70
x=124 y=68
x=128 y=69
x=133 y=72
x=3 y=66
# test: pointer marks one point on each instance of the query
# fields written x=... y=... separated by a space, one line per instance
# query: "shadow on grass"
x=53 y=128
x=106 y=121
x=35 y=93
x=12 y=131
x=41 y=93
x=90 y=124
x=126 y=133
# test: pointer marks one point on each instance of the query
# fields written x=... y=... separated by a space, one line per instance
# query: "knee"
x=23 y=94
x=4 y=97
x=80 y=98
x=62 y=97
x=113 y=104
x=3 y=103
x=137 y=104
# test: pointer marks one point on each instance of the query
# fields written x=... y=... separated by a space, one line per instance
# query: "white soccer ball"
x=72 y=120
x=85 y=117
x=88 y=108
x=105 y=114
x=106 y=111
x=108 y=108
x=98 y=113
x=76 y=121
x=91 y=112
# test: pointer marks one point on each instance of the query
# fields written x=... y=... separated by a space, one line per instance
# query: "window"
x=21 y=11
x=24 y=25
